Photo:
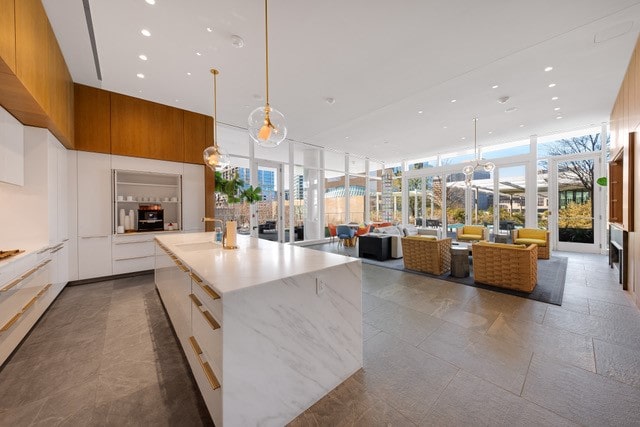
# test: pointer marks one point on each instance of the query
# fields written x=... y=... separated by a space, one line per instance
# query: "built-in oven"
x=150 y=219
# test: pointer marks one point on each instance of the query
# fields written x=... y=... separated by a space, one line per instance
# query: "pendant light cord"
x=266 y=45
x=475 y=138
x=215 y=107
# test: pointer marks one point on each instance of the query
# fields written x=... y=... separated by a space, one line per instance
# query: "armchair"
x=468 y=233
x=526 y=236
x=345 y=234
x=506 y=266
x=427 y=254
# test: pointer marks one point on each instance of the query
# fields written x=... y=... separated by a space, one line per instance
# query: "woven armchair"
x=506 y=266
x=471 y=233
x=526 y=236
x=427 y=254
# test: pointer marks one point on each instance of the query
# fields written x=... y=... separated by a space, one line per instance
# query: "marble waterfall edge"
x=286 y=346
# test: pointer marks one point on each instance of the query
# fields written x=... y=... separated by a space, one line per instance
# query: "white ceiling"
x=382 y=61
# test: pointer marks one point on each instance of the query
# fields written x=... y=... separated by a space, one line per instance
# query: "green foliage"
x=235 y=191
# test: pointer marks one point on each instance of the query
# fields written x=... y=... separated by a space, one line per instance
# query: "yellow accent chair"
x=506 y=266
x=472 y=233
x=527 y=236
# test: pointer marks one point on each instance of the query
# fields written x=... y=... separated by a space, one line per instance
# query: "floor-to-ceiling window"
x=335 y=206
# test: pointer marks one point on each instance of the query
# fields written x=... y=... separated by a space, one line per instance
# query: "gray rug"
x=551 y=274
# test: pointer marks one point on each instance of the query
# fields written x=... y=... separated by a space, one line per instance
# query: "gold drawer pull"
x=45 y=263
x=26 y=307
x=212 y=322
x=208 y=317
x=209 y=291
x=195 y=300
x=213 y=381
x=11 y=285
x=196 y=278
x=183 y=268
x=29 y=273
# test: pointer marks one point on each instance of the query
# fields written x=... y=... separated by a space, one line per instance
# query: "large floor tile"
x=572 y=348
x=351 y=404
x=617 y=362
x=622 y=333
x=502 y=363
x=581 y=396
x=409 y=325
x=469 y=400
x=405 y=377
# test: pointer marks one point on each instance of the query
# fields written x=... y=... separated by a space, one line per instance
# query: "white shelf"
x=147 y=185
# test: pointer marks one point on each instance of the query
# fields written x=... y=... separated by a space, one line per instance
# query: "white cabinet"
x=11 y=149
x=94 y=257
x=63 y=194
x=94 y=195
x=192 y=197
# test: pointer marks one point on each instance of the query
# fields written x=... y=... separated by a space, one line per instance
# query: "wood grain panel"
x=141 y=128
x=194 y=137
x=32 y=49
x=92 y=119
x=7 y=37
x=61 y=92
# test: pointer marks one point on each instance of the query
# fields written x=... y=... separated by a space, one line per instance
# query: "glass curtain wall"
x=512 y=201
x=375 y=191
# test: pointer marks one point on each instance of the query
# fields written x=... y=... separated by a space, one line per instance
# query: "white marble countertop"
x=256 y=260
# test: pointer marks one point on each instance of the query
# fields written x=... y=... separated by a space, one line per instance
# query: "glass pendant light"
x=267 y=126
x=477 y=163
x=214 y=156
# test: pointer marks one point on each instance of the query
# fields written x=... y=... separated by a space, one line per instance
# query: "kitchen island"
x=268 y=328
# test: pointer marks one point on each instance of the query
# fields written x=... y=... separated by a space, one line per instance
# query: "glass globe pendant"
x=214 y=156
x=477 y=163
x=267 y=126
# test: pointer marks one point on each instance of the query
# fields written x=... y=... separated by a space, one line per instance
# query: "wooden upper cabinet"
x=195 y=137
x=32 y=50
x=141 y=128
x=92 y=119
x=7 y=37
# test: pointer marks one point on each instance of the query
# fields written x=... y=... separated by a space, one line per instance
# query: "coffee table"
x=378 y=246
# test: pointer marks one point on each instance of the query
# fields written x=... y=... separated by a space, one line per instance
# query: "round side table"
x=460 y=262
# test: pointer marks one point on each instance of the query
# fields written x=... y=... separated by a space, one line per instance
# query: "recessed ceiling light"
x=463 y=138
x=140 y=75
x=521 y=125
x=503 y=99
x=188 y=74
x=177 y=100
x=140 y=91
x=151 y=2
x=444 y=127
x=198 y=53
x=556 y=109
x=559 y=117
x=237 y=41
x=453 y=100
x=490 y=132
x=346 y=137
x=209 y=29
x=555 y=98
x=420 y=111
x=145 y=32
x=330 y=100
x=552 y=85
x=494 y=87
x=548 y=69
x=143 y=57
x=511 y=109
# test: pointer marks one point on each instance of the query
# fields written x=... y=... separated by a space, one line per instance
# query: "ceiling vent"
x=613 y=32
x=503 y=99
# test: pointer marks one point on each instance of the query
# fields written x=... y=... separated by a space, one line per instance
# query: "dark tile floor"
x=103 y=354
x=436 y=353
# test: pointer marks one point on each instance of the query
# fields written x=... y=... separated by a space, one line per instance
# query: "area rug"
x=551 y=274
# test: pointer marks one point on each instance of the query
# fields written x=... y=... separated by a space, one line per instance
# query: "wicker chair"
x=506 y=266
x=427 y=254
x=471 y=233
x=526 y=236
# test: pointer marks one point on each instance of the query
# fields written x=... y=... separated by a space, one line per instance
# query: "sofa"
x=427 y=254
x=527 y=236
x=469 y=233
x=397 y=232
x=506 y=266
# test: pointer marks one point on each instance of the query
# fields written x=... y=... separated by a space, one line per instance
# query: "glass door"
x=268 y=214
x=575 y=212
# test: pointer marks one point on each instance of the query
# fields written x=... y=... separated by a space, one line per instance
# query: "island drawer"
x=206 y=329
x=208 y=383
x=130 y=249
x=138 y=263
x=209 y=298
